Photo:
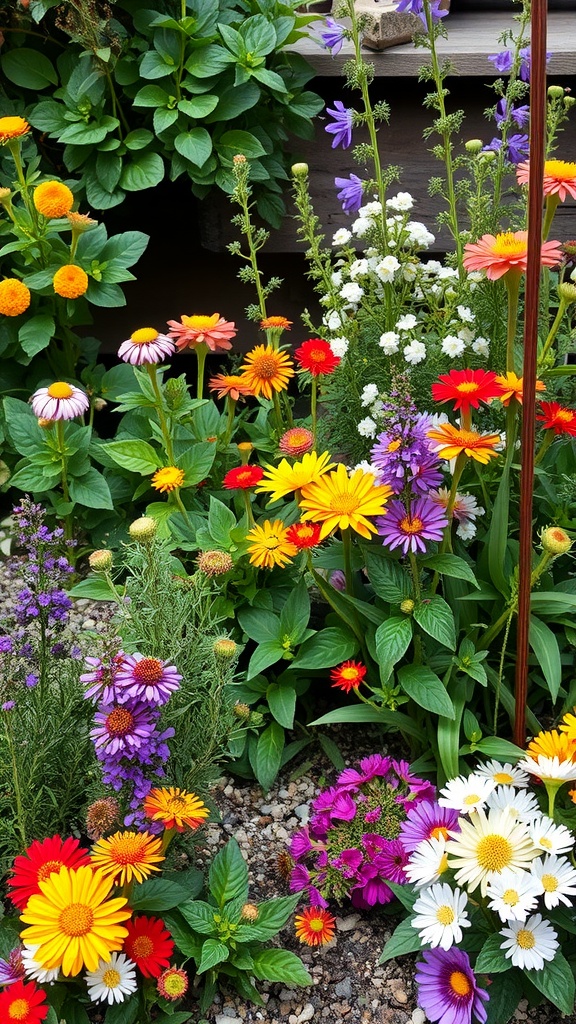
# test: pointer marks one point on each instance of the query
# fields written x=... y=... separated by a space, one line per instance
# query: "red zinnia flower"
x=39 y=861
x=557 y=418
x=467 y=388
x=303 y=535
x=23 y=1003
x=314 y=926
x=316 y=356
x=348 y=676
x=241 y=478
x=149 y=944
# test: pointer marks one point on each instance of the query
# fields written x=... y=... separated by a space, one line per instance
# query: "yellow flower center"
x=408 y=525
x=494 y=852
x=507 y=245
x=467 y=438
x=46 y=869
x=119 y=722
x=510 y=897
x=525 y=939
x=344 y=503
x=439 y=832
x=271 y=543
x=305 y=532
x=142 y=946
x=394 y=445
x=111 y=978
x=445 y=914
x=175 y=985
x=550 y=883
x=460 y=984
x=349 y=673
x=471 y=799
x=176 y=803
x=503 y=778
x=128 y=849
x=559 y=169
x=143 y=335
x=200 y=323
x=76 y=919
x=315 y=924
x=546 y=843
x=60 y=390
x=19 y=1009
x=148 y=670
x=467 y=386
x=265 y=367
x=564 y=415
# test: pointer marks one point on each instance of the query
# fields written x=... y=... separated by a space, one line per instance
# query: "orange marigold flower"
x=501 y=254
x=168 y=478
x=315 y=926
x=348 y=675
x=557 y=418
x=175 y=808
x=14 y=297
x=53 y=199
x=12 y=128
x=512 y=386
x=316 y=357
x=275 y=323
x=449 y=442
x=241 y=478
x=296 y=441
x=267 y=370
x=303 y=535
x=467 y=388
x=233 y=385
x=213 y=331
x=70 y=281
x=559 y=178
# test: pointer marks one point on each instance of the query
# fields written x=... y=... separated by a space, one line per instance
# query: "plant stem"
x=551 y=205
x=513 y=288
x=201 y=353
x=553 y=331
x=313 y=407
x=68 y=531
x=20 y=823
x=152 y=373
x=347 y=549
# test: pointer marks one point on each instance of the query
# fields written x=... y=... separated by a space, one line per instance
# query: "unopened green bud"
x=488 y=155
x=299 y=170
x=99 y=404
x=407 y=606
x=567 y=291
x=143 y=529
x=569 y=101
x=555 y=92
x=242 y=711
x=555 y=540
x=175 y=390
x=100 y=560
x=473 y=146
x=225 y=648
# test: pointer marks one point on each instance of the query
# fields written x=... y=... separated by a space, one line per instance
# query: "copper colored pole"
x=535 y=194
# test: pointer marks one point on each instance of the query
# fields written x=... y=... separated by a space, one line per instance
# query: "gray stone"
x=344 y=988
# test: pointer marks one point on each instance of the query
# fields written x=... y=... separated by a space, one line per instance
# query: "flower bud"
x=143 y=529
x=555 y=92
x=249 y=912
x=99 y=404
x=242 y=711
x=245 y=449
x=473 y=146
x=239 y=158
x=569 y=101
x=214 y=563
x=489 y=155
x=407 y=606
x=175 y=390
x=225 y=648
x=100 y=560
x=44 y=423
x=555 y=541
x=567 y=291
x=299 y=170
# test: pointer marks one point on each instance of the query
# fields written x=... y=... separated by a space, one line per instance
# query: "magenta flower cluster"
x=351 y=847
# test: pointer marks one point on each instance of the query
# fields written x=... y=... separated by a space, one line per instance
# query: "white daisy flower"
x=367 y=427
x=446 y=273
x=549 y=769
x=550 y=837
x=427 y=863
x=528 y=944
x=369 y=394
x=341 y=237
x=556 y=879
x=453 y=346
x=387 y=268
x=406 y=322
x=440 y=916
x=466 y=794
x=112 y=980
x=34 y=969
x=359 y=268
x=339 y=346
x=481 y=347
x=351 y=292
x=465 y=314
x=502 y=774
x=523 y=805
x=389 y=342
x=409 y=271
x=486 y=845
x=361 y=226
x=415 y=352
x=512 y=894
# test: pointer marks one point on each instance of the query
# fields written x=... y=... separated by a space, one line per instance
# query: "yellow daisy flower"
x=267 y=370
x=175 y=808
x=284 y=478
x=128 y=856
x=339 y=500
x=554 y=743
x=169 y=478
x=269 y=545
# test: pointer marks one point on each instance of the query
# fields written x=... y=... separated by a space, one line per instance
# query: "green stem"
x=511 y=417
x=347 y=549
x=20 y=823
x=248 y=507
x=201 y=353
x=549 y=437
x=68 y=531
x=553 y=331
x=458 y=470
x=153 y=374
x=500 y=674
x=230 y=411
x=551 y=206
x=512 y=281
x=313 y=406
x=495 y=628
x=277 y=411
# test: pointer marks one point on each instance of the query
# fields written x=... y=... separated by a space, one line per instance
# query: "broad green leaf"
x=195 y=145
x=265 y=655
x=208 y=61
x=268 y=755
x=260 y=625
x=158 y=894
x=389 y=580
x=450 y=565
x=436 y=618
x=448 y=730
x=136 y=456
x=200 y=915
x=280 y=965
x=327 y=648
x=197 y=462
x=272 y=916
x=213 y=952
x=187 y=941
x=426 y=689
x=138 y=139
x=36 y=334
x=393 y=640
x=545 y=646
x=90 y=490
x=128 y=247
x=271 y=79
x=220 y=521
x=556 y=982
x=151 y=96
x=93 y=587
x=30 y=477
x=29 y=68
x=145 y=171
x=404 y=939
x=126 y=1012
x=154 y=66
x=282 y=704
x=228 y=875
x=552 y=603
x=491 y=959
x=241 y=142
x=505 y=993
x=22 y=426
x=295 y=614
x=363 y=713
x=493 y=746
x=259 y=35
x=235 y=101
x=498 y=535
x=199 y=106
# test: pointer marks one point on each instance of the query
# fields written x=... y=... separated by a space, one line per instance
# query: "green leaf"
x=552 y=603
x=22 y=426
x=213 y=952
x=123 y=1013
x=404 y=939
x=505 y=994
x=228 y=875
x=498 y=535
x=90 y=490
x=265 y=655
x=556 y=982
x=259 y=624
x=280 y=965
x=158 y=894
x=269 y=755
x=73 y=1012
x=241 y=142
x=236 y=101
x=271 y=79
x=199 y=106
x=151 y=96
x=197 y=462
x=208 y=61
x=200 y=916
x=426 y=689
x=436 y=618
x=448 y=730
x=282 y=703
x=145 y=171
x=387 y=577
x=127 y=247
x=164 y=119
x=195 y=145
x=187 y=941
x=153 y=65
x=405 y=894
x=33 y=478
x=392 y=640
x=491 y=959
x=362 y=713
x=48 y=116
x=545 y=646
x=327 y=648
x=95 y=588
x=138 y=139
x=221 y=520
x=88 y=134
x=36 y=333
x=136 y=456
x=29 y=68
x=450 y=565
x=295 y=614
x=272 y=916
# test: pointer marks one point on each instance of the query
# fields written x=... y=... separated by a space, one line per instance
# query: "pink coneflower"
x=146 y=345
x=507 y=252
x=410 y=529
x=465 y=508
x=59 y=401
x=213 y=331
x=447 y=988
x=101 y=681
x=148 y=679
x=559 y=178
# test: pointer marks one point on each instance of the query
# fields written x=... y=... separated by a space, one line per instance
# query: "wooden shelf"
x=471 y=39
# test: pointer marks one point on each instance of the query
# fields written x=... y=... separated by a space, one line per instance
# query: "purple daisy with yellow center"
x=148 y=679
x=427 y=820
x=447 y=988
x=410 y=528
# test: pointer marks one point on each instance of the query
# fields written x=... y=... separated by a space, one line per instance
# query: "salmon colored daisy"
x=229 y=385
x=269 y=545
x=296 y=441
x=304 y=535
x=557 y=418
x=559 y=178
x=466 y=388
x=175 y=808
x=339 y=500
x=316 y=357
x=242 y=478
x=449 y=442
x=14 y=296
x=315 y=926
x=267 y=370
x=23 y=1003
x=505 y=253
x=213 y=331
x=39 y=861
x=282 y=479
x=12 y=128
x=512 y=386
x=275 y=323
x=149 y=945
x=53 y=199
x=128 y=856
x=167 y=479
x=348 y=675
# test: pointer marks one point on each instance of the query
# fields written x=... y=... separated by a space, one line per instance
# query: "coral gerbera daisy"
x=149 y=944
x=339 y=500
x=505 y=253
x=229 y=385
x=267 y=370
x=296 y=441
x=73 y=922
x=285 y=477
x=24 y=1002
x=59 y=401
x=146 y=345
x=128 y=856
x=39 y=861
x=559 y=178
x=410 y=529
x=466 y=388
x=167 y=479
x=242 y=478
x=447 y=988
x=348 y=675
x=175 y=808
x=449 y=442
x=558 y=418
x=112 y=981
x=213 y=331
x=304 y=535
x=315 y=926
x=316 y=357
x=510 y=386
x=269 y=544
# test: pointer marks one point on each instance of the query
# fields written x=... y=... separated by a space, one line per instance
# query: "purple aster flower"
x=351 y=192
x=410 y=528
x=341 y=129
x=370 y=767
x=333 y=36
x=427 y=820
x=8 y=705
x=343 y=807
x=6 y=645
x=517 y=147
x=420 y=789
x=447 y=988
x=148 y=678
x=425 y=474
x=526 y=63
x=521 y=115
x=32 y=680
x=12 y=969
x=404 y=443
x=121 y=729
x=102 y=681
x=502 y=61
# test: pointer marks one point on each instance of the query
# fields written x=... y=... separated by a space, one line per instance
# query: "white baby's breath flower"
x=372 y=209
x=481 y=347
x=406 y=322
x=359 y=268
x=440 y=916
x=387 y=268
x=415 y=352
x=431 y=268
x=389 y=342
x=361 y=226
x=351 y=292
x=369 y=394
x=367 y=427
x=556 y=880
x=402 y=202
x=336 y=278
x=332 y=319
x=339 y=346
x=341 y=237
x=418 y=235
x=529 y=944
x=512 y=894
x=465 y=314
x=447 y=273
x=452 y=346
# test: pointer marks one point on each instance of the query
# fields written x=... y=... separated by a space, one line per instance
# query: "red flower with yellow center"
x=173 y=983
x=559 y=178
x=512 y=386
x=23 y=1003
x=303 y=535
x=505 y=253
x=149 y=945
x=348 y=675
x=39 y=861
x=466 y=388
x=314 y=926
x=316 y=357
x=242 y=478
x=557 y=418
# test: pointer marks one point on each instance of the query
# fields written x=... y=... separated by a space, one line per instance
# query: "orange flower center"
x=560 y=169
x=120 y=721
x=349 y=673
x=265 y=367
x=494 y=852
x=128 y=849
x=19 y=1009
x=317 y=355
x=244 y=477
x=298 y=437
x=394 y=446
x=12 y=128
x=467 y=387
x=148 y=670
x=525 y=939
x=111 y=978
x=408 y=525
x=564 y=415
x=305 y=532
x=439 y=832
x=60 y=390
x=143 y=946
x=275 y=321
x=47 y=868
x=201 y=323
x=344 y=503
x=507 y=245
x=76 y=920
x=460 y=984
x=143 y=335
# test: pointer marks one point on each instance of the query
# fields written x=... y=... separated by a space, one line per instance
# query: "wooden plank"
x=471 y=38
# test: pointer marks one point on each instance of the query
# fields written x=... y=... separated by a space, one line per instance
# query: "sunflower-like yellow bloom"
x=554 y=743
x=267 y=370
x=284 y=478
x=72 y=921
x=269 y=545
x=568 y=726
x=128 y=856
x=339 y=500
x=449 y=442
x=175 y=808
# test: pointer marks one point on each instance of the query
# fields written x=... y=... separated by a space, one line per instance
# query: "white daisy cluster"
x=111 y=982
x=504 y=848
